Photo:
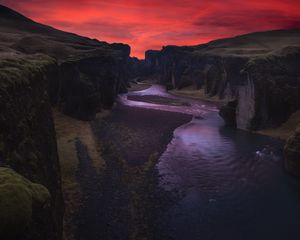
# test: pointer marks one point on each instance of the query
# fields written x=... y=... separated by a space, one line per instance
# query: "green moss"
x=18 y=69
x=17 y=196
x=40 y=194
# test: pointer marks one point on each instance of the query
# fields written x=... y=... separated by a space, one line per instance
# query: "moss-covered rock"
x=18 y=197
x=292 y=153
x=91 y=73
x=27 y=136
x=40 y=66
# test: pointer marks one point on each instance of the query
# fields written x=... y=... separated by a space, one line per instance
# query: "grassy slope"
x=257 y=44
x=21 y=35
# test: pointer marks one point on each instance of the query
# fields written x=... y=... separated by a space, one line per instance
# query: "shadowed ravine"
x=208 y=182
x=83 y=159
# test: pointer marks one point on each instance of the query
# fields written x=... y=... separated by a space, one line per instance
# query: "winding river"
x=230 y=183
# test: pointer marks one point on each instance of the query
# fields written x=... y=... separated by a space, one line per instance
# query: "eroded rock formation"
x=41 y=67
x=258 y=71
x=89 y=73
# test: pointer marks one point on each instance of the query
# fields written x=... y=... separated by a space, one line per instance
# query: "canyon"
x=256 y=76
x=43 y=68
x=255 y=79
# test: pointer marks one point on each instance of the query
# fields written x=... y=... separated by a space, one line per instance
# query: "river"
x=229 y=183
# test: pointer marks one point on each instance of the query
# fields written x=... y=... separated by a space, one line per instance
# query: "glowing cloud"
x=151 y=24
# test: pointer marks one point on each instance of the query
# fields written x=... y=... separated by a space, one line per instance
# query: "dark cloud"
x=249 y=20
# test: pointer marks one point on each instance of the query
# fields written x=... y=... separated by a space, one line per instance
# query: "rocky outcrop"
x=258 y=72
x=228 y=113
x=27 y=142
x=86 y=86
x=151 y=64
x=24 y=207
x=90 y=73
x=271 y=92
x=292 y=153
x=41 y=67
x=148 y=69
x=136 y=69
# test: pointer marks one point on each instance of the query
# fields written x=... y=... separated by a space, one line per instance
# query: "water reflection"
x=230 y=183
x=196 y=108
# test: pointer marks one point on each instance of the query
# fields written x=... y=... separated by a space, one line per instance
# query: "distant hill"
x=19 y=33
x=252 y=44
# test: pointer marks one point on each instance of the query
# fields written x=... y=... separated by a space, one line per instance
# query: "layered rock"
x=258 y=72
x=292 y=153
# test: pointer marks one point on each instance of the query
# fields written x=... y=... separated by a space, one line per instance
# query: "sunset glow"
x=151 y=24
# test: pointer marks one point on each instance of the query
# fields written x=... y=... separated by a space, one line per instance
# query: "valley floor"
x=69 y=132
x=108 y=170
x=110 y=179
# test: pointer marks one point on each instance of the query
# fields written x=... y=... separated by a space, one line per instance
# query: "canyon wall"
x=41 y=68
x=256 y=75
x=28 y=145
x=91 y=73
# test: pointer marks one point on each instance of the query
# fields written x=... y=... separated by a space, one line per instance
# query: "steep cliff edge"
x=41 y=67
x=91 y=73
x=27 y=139
x=256 y=75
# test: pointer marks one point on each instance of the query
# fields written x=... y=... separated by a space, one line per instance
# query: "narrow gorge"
x=96 y=144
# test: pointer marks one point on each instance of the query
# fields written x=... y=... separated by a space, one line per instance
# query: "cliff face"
x=271 y=91
x=87 y=85
x=28 y=144
x=256 y=74
x=292 y=153
x=41 y=67
x=91 y=73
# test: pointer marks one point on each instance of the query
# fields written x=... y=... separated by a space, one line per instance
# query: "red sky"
x=151 y=24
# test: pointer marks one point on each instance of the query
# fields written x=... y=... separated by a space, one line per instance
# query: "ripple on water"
x=230 y=182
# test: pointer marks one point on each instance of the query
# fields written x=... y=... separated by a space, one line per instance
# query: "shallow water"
x=196 y=108
x=230 y=183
